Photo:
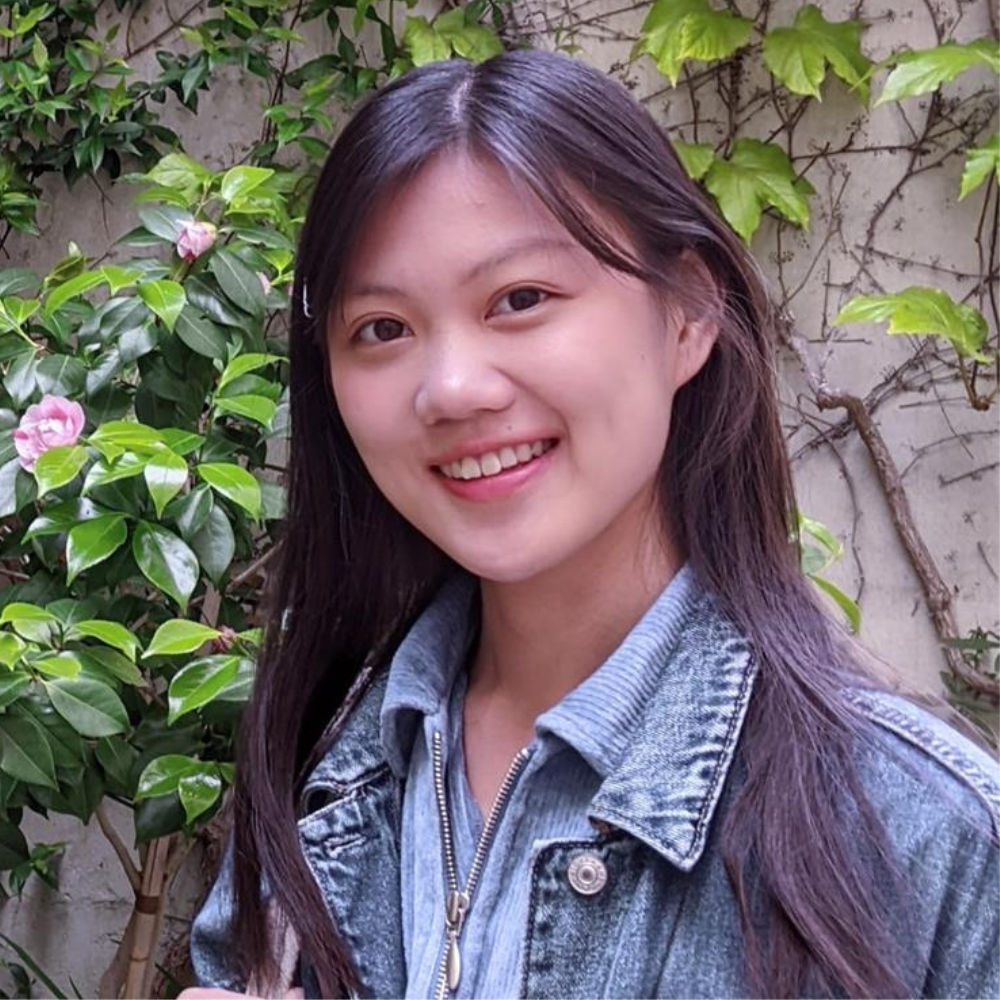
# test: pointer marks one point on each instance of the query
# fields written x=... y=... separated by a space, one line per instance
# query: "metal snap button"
x=587 y=874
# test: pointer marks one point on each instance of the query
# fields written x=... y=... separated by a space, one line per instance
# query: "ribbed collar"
x=596 y=718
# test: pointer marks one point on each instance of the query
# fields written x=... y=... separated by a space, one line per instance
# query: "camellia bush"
x=143 y=397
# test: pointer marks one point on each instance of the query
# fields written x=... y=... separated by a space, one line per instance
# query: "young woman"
x=546 y=706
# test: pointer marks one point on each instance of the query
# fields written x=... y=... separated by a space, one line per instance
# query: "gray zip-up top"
x=633 y=901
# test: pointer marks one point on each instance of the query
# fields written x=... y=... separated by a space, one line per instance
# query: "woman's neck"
x=542 y=637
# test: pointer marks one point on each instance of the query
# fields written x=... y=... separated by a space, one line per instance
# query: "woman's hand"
x=197 y=993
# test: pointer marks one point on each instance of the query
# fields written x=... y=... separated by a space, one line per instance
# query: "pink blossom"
x=53 y=422
x=194 y=239
x=224 y=642
x=265 y=281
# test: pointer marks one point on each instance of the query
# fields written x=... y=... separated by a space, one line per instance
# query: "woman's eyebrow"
x=518 y=248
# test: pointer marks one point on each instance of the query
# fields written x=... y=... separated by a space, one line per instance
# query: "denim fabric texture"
x=641 y=785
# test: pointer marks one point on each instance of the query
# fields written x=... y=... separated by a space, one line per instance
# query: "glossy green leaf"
x=58 y=466
x=108 y=665
x=980 y=163
x=242 y=364
x=695 y=157
x=61 y=375
x=120 y=435
x=214 y=544
x=125 y=467
x=18 y=611
x=234 y=483
x=200 y=334
x=257 y=408
x=240 y=181
x=26 y=752
x=11 y=648
x=198 y=683
x=191 y=511
x=92 y=542
x=162 y=775
x=90 y=707
x=922 y=311
x=798 y=56
x=166 y=561
x=73 y=289
x=12 y=686
x=181 y=442
x=60 y=517
x=14 y=850
x=178 y=636
x=180 y=173
x=111 y=633
x=165 y=474
x=166 y=298
x=241 y=285
x=678 y=30
x=164 y=221
x=923 y=70
x=118 y=278
x=10 y=472
x=756 y=175
x=467 y=38
x=58 y=665
x=198 y=793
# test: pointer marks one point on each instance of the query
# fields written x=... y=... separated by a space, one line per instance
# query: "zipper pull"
x=456 y=906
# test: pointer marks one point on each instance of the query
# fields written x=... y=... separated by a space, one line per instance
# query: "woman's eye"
x=381 y=331
x=519 y=299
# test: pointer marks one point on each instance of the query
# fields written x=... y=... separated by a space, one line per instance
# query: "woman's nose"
x=460 y=379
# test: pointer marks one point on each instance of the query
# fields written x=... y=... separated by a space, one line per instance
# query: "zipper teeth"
x=479 y=858
x=449 y=847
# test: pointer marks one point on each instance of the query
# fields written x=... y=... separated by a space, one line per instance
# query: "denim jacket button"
x=587 y=874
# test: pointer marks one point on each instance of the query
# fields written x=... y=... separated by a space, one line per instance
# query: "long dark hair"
x=353 y=574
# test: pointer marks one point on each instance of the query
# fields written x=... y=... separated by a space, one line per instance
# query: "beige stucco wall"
x=947 y=451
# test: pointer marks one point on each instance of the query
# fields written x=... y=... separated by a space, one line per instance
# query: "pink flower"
x=194 y=239
x=225 y=641
x=53 y=422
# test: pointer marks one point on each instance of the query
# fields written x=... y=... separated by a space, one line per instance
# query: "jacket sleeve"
x=965 y=953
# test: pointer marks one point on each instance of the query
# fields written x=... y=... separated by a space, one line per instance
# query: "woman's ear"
x=701 y=309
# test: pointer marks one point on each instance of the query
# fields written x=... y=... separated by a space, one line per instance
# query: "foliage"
x=136 y=547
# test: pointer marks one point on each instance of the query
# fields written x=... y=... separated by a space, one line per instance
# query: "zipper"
x=458 y=901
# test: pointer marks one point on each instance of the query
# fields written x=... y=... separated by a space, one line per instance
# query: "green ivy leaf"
x=234 y=483
x=165 y=474
x=798 y=56
x=240 y=284
x=110 y=633
x=923 y=70
x=166 y=561
x=179 y=636
x=198 y=793
x=166 y=299
x=90 y=707
x=240 y=181
x=677 y=30
x=757 y=174
x=979 y=164
x=92 y=542
x=423 y=43
x=198 y=683
x=919 y=310
x=695 y=157
x=27 y=755
x=58 y=466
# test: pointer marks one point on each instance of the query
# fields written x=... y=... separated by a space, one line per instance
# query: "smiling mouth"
x=493 y=463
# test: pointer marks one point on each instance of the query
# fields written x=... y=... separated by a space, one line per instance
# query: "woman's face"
x=508 y=394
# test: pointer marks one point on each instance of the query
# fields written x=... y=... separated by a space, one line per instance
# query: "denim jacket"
x=665 y=922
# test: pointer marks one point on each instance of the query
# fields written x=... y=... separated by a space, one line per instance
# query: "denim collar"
x=661 y=783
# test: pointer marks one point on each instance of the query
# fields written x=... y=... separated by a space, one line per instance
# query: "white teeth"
x=491 y=463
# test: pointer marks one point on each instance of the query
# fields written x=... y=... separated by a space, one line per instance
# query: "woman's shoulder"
x=921 y=772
